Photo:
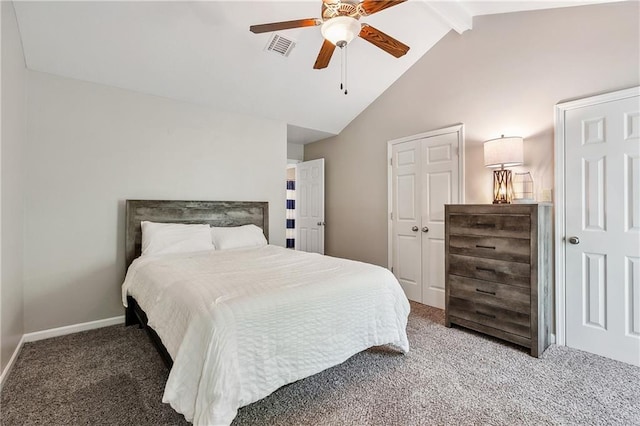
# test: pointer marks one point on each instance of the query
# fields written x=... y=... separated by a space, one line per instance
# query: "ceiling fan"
x=340 y=24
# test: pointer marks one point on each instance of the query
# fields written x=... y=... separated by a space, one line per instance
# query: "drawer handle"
x=493 y=293
x=485 y=247
x=485 y=225
x=485 y=269
x=486 y=315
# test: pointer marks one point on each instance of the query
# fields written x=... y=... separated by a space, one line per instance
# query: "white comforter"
x=239 y=324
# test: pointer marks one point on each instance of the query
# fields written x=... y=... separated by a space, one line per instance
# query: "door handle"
x=425 y=229
x=414 y=228
x=574 y=240
x=321 y=224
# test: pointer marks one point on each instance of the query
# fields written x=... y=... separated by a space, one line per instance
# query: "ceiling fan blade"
x=383 y=41
x=372 y=6
x=326 y=51
x=285 y=25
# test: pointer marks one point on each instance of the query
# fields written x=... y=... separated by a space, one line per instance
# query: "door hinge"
x=391 y=215
x=391 y=161
x=392 y=269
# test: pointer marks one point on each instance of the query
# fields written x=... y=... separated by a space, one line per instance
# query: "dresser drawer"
x=503 y=225
x=509 y=297
x=500 y=271
x=492 y=316
x=514 y=249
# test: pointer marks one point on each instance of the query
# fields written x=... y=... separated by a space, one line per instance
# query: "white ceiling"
x=203 y=52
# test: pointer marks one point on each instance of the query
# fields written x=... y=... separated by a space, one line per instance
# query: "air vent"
x=280 y=45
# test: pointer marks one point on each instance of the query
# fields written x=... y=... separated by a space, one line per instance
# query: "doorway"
x=290 y=230
x=305 y=206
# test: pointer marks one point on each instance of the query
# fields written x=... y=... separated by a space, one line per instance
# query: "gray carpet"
x=113 y=376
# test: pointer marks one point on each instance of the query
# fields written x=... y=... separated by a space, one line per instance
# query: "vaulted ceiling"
x=203 y=53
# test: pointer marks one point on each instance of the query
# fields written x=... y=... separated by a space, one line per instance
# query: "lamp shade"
x=340 y=29
x=504 y=152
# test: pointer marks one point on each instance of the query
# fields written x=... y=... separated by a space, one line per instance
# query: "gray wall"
x=503 y=76
x=89 y=148
x=11 y=201
x=295 y=151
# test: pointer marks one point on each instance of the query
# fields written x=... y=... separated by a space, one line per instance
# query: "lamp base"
x=502 y=187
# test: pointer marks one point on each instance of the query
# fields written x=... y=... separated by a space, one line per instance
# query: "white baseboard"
x=9 y=366
x=55 y=332
x=70 y=329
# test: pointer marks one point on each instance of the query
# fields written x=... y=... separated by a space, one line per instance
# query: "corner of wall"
x=12 y=136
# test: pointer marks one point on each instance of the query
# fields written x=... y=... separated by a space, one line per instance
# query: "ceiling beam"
x=453 y=13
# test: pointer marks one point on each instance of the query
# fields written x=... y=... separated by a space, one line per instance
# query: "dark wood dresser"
x=499 y=271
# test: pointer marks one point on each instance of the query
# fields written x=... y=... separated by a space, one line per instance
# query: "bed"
x=235 y=325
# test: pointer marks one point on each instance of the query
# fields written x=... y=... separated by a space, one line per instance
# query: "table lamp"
x=503 y=152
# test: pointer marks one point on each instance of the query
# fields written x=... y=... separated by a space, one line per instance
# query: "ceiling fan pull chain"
x=345 y=70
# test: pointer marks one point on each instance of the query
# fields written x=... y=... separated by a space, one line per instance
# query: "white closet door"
x=602 y=175
x=424 y=176
x=406 y=218
x=439 y=186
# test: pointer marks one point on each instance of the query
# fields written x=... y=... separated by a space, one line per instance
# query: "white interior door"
x=310 y=206
x=602 y=229
x=406 y=239
x=425 y=174
x=439 y=185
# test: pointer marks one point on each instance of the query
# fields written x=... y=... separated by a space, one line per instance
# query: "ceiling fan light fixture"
x=340 y=30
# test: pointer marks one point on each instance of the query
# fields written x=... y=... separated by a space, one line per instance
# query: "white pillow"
x=164 y=238
x=237 y=237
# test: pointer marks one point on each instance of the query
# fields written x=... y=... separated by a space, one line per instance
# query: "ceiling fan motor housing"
x=331 y=9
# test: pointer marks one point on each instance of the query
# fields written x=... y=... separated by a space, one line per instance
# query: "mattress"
x=239 y=324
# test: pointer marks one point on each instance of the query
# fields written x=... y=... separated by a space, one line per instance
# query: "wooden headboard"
x=214 y=213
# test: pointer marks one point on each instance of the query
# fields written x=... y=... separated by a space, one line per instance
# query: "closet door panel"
x=406 y=218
